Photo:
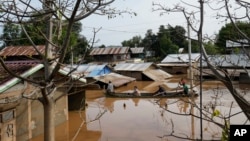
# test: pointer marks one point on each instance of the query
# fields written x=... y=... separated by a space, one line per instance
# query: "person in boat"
x=160 y=91
x=136 y=91
x=182 y=81
x=185 y=88
x=110 y=88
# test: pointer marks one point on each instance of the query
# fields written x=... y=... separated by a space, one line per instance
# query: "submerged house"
x=179 y=63
x=142 y=71
x=21 y=116
x=98 y=76
x=89 y=71
x=237 y=66
x=137 y=52
x=110 y=54
x=239 y=46
x=116 y=79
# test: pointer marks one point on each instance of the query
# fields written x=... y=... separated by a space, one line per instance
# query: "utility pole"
x=190 y=61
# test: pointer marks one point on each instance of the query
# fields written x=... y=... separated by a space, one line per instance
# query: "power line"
x=112 y=30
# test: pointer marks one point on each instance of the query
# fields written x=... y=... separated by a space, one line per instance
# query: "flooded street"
x=138 y=119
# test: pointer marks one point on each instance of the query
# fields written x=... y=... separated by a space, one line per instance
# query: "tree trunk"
x=49 y=122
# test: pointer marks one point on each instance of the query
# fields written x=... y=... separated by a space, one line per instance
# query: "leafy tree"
x=102 y=46
x=177 y=36
x=229 y=32
x=211 y=49
x=149 y=39
x=81 y=50
x=164 y=44
x=166 y=47
x=11 y=34
x=134 y=42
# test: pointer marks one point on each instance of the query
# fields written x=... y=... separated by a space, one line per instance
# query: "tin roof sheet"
x=173 y=65
x=109 y=50
x=231 y=60
x=137 y=50
x=117 y=79
x=132 y=66
x=239 y=43
x=21 y=50
x=180 y=58
x=88 y=70
x=157 y=74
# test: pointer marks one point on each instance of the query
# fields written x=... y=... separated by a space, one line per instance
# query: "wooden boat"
x=166 y=94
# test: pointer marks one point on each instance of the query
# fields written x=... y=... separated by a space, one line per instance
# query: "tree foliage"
x=166 y=41
x=136 y=41
x=229 y=32
x=13 y=35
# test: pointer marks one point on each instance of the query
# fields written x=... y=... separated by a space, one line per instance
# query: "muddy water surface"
x=115 y=119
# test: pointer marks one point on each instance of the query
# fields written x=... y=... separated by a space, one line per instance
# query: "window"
x=7 y=116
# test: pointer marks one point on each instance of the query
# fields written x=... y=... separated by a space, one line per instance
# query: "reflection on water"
x=117 y=119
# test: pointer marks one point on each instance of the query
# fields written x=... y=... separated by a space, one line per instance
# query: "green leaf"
x=216 y=113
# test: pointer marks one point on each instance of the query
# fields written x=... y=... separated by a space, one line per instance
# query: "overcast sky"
x=121 y=28
x=114 y=31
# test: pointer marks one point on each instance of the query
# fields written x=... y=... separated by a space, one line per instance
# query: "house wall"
x=29 y=119
x=244 y=78
x=111 y=57
x=120 y=57
x=103 y=58
x=8 y=125
x=11 y=99
x=175 y=70
x=139 y=55
x=238 y=50
x=135 y=74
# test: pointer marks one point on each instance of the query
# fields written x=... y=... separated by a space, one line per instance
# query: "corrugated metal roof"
x=137 y=50
x=116 y=79
x=17 y=67
x=232 y=60
x=173 y=65
x=24 y=69
x=109 y=50
x=21 y=50
x=157 y=74
x=132 y=66
x=88 y=70
x=180 y=58
x=240 y=43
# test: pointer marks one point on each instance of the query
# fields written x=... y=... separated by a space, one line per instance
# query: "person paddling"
x=110 y=88
x=182 y=83
x=136 y=92
x=185 y=88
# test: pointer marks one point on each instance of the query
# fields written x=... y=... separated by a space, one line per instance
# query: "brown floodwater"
x=138 y=119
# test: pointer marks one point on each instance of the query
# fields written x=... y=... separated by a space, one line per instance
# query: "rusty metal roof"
x=137 y=50
x=109 y=50
x=132 y=66
x=21 y=50
x=17 y=67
